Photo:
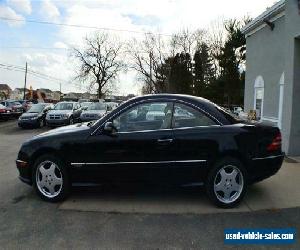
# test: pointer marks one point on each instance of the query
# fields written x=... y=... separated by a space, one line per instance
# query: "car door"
x=196 y=141
x=139 y=150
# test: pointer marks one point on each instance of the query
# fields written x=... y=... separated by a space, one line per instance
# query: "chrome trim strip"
x=133 y=162
x=267 y=157
x=21 y=161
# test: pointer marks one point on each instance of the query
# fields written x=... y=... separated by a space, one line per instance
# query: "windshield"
x=36 y=108
x=97 y=106
x=64 y=106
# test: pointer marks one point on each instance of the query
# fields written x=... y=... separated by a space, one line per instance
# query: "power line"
x=81 y=26
x=30 y=47
x=31 y=72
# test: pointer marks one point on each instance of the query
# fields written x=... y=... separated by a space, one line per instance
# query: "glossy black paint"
x=30 y=119
x=179 y=156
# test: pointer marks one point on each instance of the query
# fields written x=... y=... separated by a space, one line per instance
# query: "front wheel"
x=71 y=120
x=50 y=178
x=226 y=183
x=41 y=123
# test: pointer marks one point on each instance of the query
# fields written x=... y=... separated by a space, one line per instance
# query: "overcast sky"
x=165 y=16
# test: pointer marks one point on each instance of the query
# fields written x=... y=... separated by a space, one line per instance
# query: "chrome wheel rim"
x=41 y=123
x=49 y=179
x=228 y=184
x=71 y=120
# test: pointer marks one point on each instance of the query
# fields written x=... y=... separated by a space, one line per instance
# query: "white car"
x=156 y=112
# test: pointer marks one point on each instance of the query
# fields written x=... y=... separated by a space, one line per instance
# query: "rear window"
x=229 y=117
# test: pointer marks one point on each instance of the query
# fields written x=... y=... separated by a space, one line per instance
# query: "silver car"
x=95 y=111
x=64 y=113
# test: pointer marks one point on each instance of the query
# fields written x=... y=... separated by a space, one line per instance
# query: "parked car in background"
x=26 y=104
x=35 y=116
x=85 y=105
x=237 y=110
x=202 y=144
x=111 y=106
x=94 y=112
x=5 y=113
x=83 y=100
x=156 y=111
x=16 y=107
x=64 y=113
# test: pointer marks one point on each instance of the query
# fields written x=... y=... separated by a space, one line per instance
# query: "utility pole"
x=150 y=56
x=24 y=96
x=60 y=91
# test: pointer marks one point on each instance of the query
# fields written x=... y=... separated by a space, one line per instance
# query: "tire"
x=50 y=178
x=226 y=183
x=41 y=123
x=71 y=120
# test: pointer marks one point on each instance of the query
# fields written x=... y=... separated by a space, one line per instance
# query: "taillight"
x=275 y=144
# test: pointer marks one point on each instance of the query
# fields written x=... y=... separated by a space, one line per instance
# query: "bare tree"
x=148 y=60
x=100 y=61
x=186 y=41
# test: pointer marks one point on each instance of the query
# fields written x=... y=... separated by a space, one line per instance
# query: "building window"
x=259 y=97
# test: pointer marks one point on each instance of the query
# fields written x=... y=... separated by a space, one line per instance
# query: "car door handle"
x=165 y=141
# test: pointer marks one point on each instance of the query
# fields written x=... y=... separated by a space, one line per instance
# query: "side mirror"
x=109 y=128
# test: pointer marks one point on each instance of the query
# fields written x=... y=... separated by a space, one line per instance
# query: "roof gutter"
x=269 y=13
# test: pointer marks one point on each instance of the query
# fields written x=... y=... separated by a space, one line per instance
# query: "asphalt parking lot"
x=135 y=217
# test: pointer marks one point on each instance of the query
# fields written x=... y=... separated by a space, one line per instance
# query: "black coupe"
x=165 y=138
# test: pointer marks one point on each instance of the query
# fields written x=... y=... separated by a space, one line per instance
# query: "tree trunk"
x=99 y=93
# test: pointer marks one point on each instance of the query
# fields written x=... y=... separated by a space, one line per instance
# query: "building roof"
x=270 y=13
x=21 y=89
x=5 y=87
x=46 y=90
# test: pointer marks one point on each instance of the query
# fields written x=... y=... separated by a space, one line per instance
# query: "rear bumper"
x=265 y=167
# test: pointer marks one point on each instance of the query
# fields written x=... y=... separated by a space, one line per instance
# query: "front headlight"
x=64 y=116
x=33 y=118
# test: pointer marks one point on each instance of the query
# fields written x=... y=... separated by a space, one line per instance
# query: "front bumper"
x=57 y=122
x=262 y=168
x=24 y=171
x=87 y=119
x=24 y=123
x=6 y=115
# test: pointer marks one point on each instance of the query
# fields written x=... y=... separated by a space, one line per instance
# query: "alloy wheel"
x=228 y=184
x=49 y=179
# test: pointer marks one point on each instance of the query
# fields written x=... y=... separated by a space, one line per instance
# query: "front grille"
x=54 y=117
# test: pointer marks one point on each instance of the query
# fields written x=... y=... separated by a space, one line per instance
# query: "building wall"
x=275 y=55
x=265 y=53
x=291 y=110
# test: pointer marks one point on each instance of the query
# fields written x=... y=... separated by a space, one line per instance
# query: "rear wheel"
x=227 y=183
x=50 y=178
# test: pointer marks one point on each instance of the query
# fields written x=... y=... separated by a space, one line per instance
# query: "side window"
x=186 y=116
x=145 y=116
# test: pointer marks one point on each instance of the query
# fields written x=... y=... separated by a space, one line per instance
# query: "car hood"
x=94 y=112
x=28 y=115
x=60 y=112
x=65 y=130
